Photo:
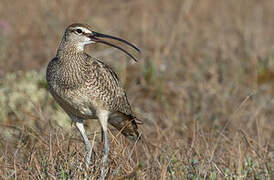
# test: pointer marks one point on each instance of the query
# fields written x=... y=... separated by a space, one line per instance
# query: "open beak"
x=95 y=36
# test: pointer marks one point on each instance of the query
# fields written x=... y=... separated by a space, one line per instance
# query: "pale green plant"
x=22 y=94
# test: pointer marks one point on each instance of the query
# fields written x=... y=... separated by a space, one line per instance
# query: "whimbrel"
x=86 y=88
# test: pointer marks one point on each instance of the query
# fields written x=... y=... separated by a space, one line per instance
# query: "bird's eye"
x=79 y=31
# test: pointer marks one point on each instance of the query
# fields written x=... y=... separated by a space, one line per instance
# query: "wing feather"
x=110 y=90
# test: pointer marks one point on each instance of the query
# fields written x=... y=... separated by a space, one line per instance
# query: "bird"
x=87 y=88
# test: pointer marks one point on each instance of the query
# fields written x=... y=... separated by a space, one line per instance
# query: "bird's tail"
x=127 y=124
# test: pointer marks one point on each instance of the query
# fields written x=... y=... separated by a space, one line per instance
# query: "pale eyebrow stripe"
x=85 y=30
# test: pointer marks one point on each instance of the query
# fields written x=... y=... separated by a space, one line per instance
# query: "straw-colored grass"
x=203 y=86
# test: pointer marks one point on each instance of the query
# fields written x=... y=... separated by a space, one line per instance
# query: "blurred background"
x=204 y=86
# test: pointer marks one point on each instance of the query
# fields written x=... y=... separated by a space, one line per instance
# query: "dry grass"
x=204 y=87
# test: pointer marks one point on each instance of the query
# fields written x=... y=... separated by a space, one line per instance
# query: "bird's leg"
x=102 y=135
x=81 y=128
x=106 y=151
x=103 y=118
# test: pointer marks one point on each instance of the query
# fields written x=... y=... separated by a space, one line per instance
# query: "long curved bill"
x=95 y=37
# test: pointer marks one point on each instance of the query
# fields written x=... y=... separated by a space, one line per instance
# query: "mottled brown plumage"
x=78 y=82
x=85 y=87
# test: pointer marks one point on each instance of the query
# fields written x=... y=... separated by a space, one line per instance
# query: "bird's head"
x=82 y=34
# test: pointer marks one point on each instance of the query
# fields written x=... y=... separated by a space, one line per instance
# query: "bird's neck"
x=71 y=54
x=72 y=64
x=70 y=48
